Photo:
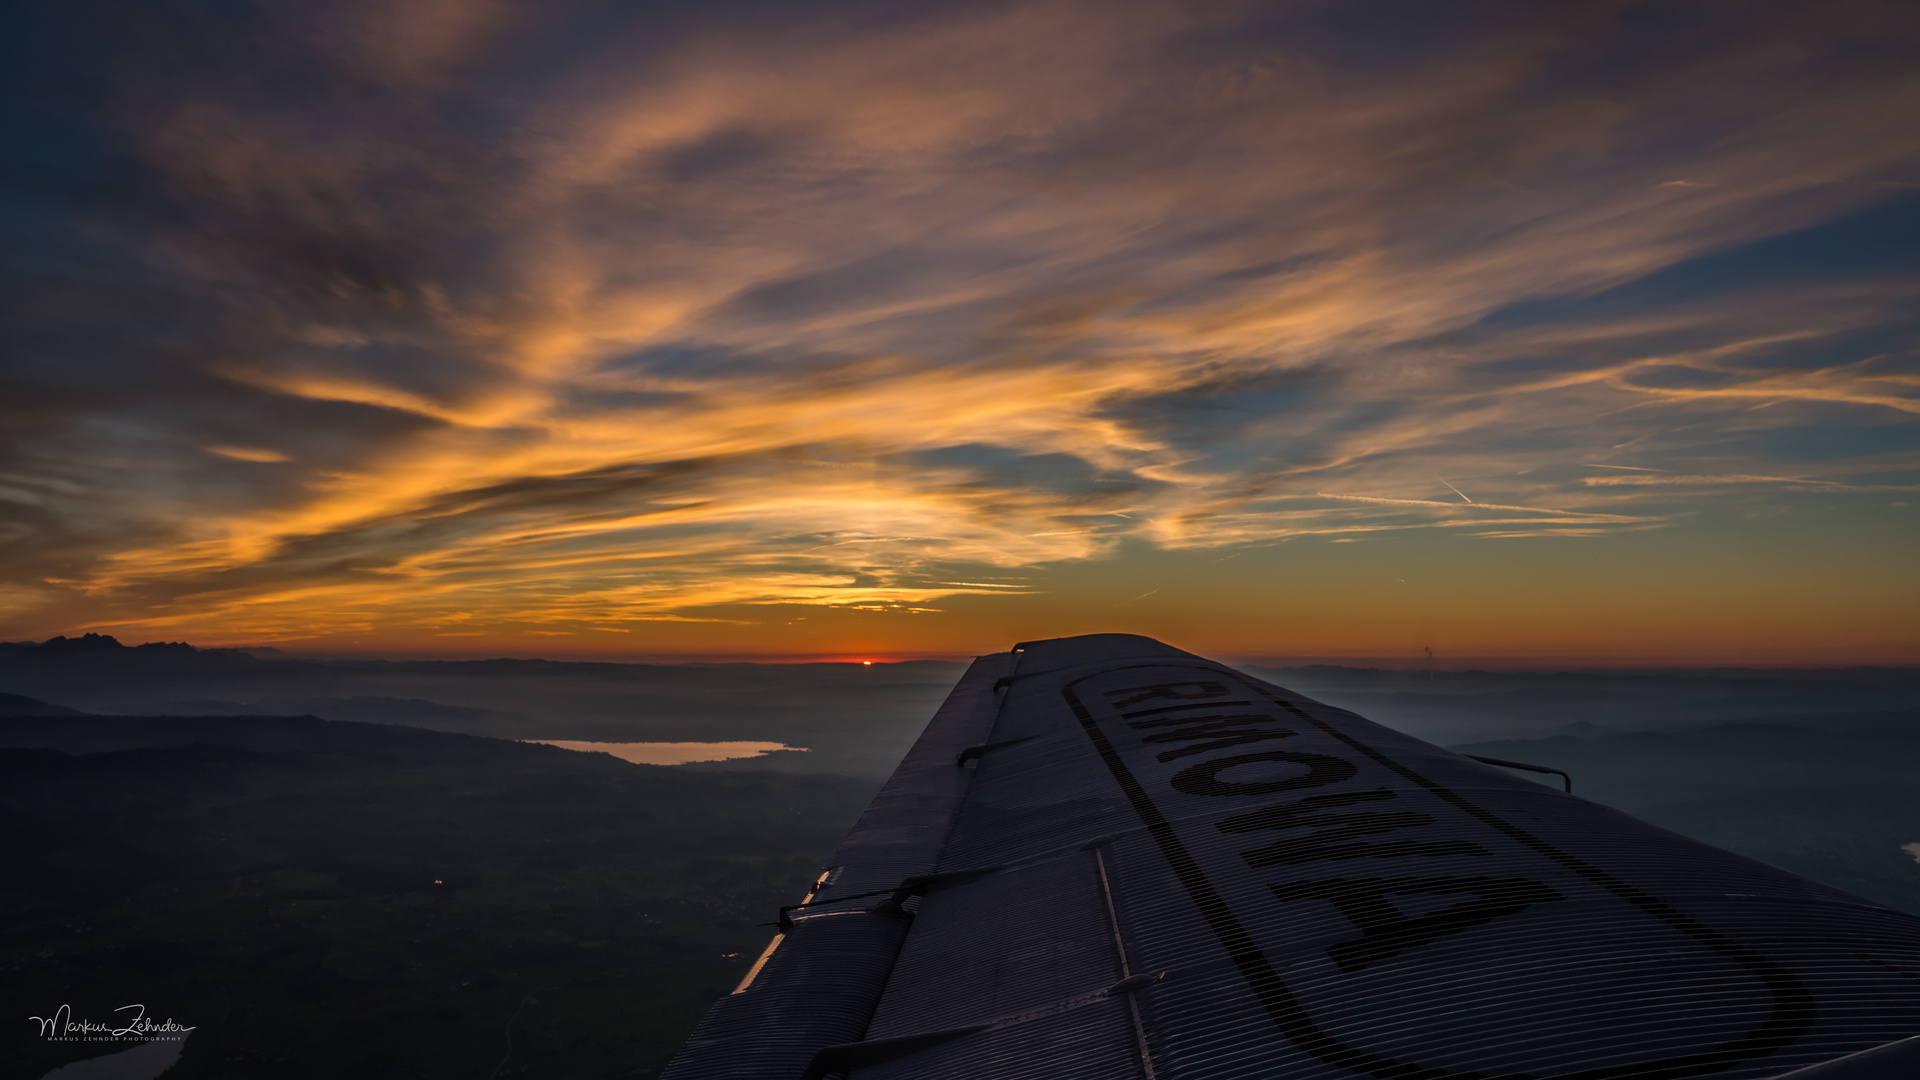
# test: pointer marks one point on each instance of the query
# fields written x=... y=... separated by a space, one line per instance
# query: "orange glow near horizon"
x=824 y=337
x=1356 y=604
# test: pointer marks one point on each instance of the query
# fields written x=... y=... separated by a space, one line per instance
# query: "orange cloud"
x=825 y=313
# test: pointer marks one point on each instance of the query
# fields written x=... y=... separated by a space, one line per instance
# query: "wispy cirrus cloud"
x=557 y=316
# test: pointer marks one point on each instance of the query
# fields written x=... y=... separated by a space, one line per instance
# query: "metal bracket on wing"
x=921 y=886
x=1523 y=765
x=846 y=1057
x=895 y=897
x=1129 y=985
x=972 y=753
x=843 y=1058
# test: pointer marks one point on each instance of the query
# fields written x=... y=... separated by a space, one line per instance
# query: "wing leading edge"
x=1107 y=857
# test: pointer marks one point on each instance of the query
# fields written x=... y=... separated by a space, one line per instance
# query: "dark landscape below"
x=392 y=886
x=378 y=901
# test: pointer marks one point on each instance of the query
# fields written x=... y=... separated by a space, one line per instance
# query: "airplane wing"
x=1108 y=858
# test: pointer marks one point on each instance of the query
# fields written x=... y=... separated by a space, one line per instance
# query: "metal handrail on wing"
x=1503 y=763
x=897 y=896
x=972 y=753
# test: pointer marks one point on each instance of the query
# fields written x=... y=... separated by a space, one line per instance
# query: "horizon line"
x=1460 y=662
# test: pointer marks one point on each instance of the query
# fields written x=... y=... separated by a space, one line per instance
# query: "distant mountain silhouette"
x=362 y=709
x=107 y=642
x=80 y=734
x=19 y=705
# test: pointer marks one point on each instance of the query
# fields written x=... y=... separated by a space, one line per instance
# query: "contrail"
x=1451 y=488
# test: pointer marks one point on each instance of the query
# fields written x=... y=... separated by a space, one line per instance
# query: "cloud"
x=1724 y=480
x=570 y=315
x=247 y=453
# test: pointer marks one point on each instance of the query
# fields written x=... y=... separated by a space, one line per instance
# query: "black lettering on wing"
x=1219 y=719
x=1212 y=733
x=1177 y=691
x=1181 y=708
x=1204 y=779
x=1335 y=835
x=1385 y=932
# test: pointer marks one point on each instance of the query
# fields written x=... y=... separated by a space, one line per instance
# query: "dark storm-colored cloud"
x=387 y=313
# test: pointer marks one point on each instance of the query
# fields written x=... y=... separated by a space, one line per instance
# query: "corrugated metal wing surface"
x=818 y=982
x=1163 y=868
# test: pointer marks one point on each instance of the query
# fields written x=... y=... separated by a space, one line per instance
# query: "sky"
x=1566 y=332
